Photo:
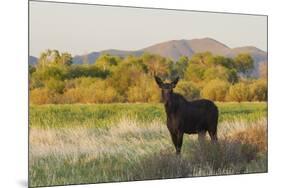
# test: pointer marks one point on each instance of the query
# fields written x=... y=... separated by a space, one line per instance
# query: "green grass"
x=250 y=111
x=104 y=115
x=72 y=144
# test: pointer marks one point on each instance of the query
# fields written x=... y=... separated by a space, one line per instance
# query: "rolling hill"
x=175 y=48
x=32 y=60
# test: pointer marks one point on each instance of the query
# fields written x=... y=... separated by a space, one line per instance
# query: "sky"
x=80 y=29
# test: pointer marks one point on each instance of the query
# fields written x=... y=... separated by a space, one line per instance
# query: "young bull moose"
x=191 y=117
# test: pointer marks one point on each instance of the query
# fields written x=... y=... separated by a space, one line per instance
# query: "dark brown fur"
x=190 y=117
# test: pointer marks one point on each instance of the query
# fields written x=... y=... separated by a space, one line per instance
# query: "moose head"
x=166 y=88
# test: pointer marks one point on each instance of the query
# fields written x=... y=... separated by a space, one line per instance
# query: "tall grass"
x=130 y=149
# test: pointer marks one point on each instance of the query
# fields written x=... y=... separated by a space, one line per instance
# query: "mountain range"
x=175 y=48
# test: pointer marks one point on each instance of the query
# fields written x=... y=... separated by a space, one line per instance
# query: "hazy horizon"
x=80 y=29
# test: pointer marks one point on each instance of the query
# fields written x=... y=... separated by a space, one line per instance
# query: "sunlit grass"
x=130 y=149
x=105 y=115
x=71 y=144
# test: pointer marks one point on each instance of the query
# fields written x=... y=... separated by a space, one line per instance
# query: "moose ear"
x=174 y=83
x=158 y=81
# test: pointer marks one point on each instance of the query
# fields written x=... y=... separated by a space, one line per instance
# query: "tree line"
x=55 y=79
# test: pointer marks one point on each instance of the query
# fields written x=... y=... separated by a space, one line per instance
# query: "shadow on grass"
x=225 y=157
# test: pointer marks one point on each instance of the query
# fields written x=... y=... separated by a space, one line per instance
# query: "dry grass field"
x=127 y=144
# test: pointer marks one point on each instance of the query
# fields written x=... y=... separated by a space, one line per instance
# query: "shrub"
x=58 y=72
x=89 y=90
x=215 y=90
x=143 y=90
x=73 y=95
x=86 y=70
x=244 y=63
x=258 y=90
x=188 y=89
x=34 y=83
x=162 y=165
x=217 y=72
x=55 y=86
x=39 y=96
x=255 y=136
x=106 y=61
x=195 y=72
x=102 y=93
x=239 y=92
x=226 y=155
x=44 y=96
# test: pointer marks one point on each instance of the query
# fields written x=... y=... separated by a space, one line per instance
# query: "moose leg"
x=179 y=142
x=201 y=137
x=174 y=139
x=214 y=137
